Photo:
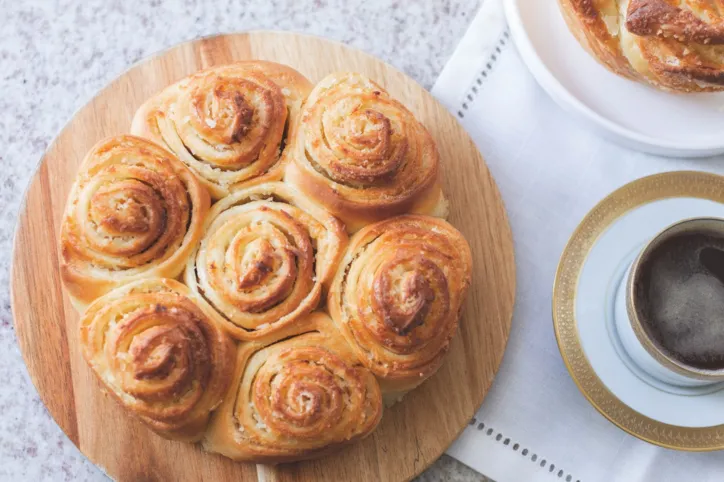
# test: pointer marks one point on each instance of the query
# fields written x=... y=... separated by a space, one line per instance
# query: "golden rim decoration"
x=692 y=184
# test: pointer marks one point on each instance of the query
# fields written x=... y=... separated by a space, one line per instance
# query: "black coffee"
x=680 y=299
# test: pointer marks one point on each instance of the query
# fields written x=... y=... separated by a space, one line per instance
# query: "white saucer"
x=626 y=112
x=591 y=268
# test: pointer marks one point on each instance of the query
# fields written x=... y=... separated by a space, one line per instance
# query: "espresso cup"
x=642 y=348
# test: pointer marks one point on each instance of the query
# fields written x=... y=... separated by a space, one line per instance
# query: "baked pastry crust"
x=673 y=45
x=133 y=212
x=230 y=124
x=397 y=297
x=264 y=258
x=363 y=155
x=295 y=396
x=238 y=357
x=160 y=352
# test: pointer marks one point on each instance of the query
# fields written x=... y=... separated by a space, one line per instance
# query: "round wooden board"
x=412 y=434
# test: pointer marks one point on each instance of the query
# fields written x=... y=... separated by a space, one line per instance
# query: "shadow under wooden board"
x=412 y=434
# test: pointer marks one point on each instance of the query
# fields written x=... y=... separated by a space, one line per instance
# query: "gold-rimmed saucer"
x=591 y=267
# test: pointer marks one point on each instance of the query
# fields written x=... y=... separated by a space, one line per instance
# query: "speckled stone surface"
x=55 y=54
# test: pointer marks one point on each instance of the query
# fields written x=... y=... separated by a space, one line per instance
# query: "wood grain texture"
x=412 y=434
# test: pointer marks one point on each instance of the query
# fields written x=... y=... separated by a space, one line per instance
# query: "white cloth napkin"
x=535 y=425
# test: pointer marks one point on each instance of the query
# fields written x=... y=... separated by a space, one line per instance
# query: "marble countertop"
x=55 y=54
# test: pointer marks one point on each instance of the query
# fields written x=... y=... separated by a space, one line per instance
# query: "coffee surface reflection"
x=679 y=298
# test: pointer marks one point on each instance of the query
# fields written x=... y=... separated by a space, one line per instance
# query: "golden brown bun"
x=229 y=123
x=133 y=212
x=363 y=155
x=264 y=257
x=295 y=397
x=159 y=351
x=397 y=296
x=673 y=45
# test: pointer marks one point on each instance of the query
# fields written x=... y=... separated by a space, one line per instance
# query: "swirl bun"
x=264 y=257
x=133 y=212
x=230 y=123
x=158 y=350
x=295 y=398
x=397 y=297
x=671 y=45
x=363 y=155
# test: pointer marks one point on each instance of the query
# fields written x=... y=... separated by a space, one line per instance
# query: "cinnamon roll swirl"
x=363 y=155
x=675 y=45
x=397 y=297
x=295 y=398
x=158 y=350
x=229 y=124
x=264 y=257
x=133 y=212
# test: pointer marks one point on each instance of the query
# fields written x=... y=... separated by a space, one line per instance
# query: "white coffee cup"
x=640 y=347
